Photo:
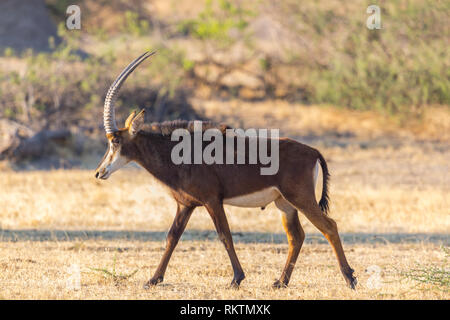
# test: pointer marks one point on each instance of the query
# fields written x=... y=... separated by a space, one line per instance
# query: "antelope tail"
x=325 y=199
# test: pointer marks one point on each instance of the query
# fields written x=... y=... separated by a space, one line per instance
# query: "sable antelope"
x=192 y=185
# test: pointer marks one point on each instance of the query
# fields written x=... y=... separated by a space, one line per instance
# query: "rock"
x=41 y=144
x=18 y=142
x=240 y=78
x=25 y=24
x=11 y=135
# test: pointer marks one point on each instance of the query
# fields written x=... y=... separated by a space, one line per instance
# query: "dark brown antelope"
x=292 y=187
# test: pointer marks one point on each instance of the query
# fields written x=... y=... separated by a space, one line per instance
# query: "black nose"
x=96 y=174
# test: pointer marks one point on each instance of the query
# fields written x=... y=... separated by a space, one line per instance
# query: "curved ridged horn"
x=109 y=118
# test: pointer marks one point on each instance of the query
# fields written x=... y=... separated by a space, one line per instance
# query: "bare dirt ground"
x=390 y=198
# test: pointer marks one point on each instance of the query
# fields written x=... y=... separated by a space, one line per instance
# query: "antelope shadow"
x=36 y=235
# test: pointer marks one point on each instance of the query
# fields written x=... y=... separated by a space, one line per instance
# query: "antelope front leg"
x=217 y=213
x=175 y=232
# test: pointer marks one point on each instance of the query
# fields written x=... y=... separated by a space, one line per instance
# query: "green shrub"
x=397 y=70
x=216 y=21
x=134 y=26
x=59 y=88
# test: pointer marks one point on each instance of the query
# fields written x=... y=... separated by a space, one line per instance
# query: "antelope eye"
x=115 y=140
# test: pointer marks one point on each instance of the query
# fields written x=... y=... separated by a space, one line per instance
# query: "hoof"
x=351 y=280
x=279 y=285
x=352 y=283
x=153 y=282
x=237 y=281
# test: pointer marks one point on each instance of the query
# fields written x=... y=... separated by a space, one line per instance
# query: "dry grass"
x=296 y=119
x=40 y=270
x=390 y=198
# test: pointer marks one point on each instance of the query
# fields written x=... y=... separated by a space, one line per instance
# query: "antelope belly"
x=259 y=198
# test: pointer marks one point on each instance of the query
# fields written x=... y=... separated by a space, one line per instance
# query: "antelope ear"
x=129 y=119
x=136 y=123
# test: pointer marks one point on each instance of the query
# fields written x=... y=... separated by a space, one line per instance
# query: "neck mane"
x=166 y=128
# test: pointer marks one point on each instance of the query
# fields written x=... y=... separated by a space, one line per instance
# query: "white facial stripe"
x=110 y=155
x=113 y=162
x=117 y=161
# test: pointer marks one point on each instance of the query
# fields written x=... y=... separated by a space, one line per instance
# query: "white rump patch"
x=316 y=173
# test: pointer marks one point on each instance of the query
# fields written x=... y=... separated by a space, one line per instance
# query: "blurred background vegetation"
x=306 y=52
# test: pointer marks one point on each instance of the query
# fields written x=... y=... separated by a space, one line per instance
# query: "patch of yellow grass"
x=297 y=119
x=201 y=270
